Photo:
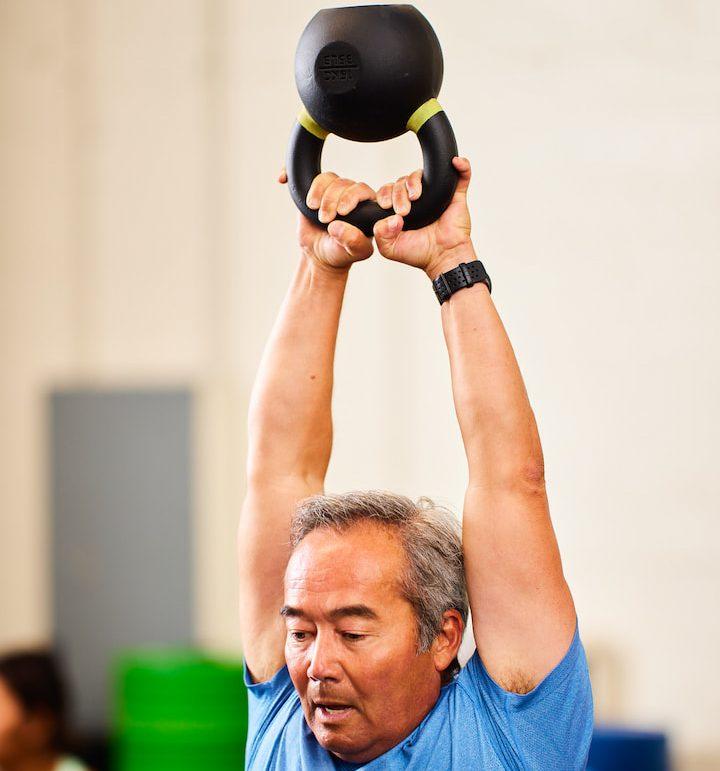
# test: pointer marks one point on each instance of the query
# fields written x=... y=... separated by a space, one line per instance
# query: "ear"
x=446 y=645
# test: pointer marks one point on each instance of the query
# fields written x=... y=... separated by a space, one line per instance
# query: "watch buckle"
x=467 y=278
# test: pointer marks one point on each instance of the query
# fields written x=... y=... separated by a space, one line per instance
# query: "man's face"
x=21 y=735
x=351 y=645
x=11 y=720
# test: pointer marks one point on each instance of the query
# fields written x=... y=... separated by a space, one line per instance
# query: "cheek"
x=10 y=719
x=297 y=667
x=385 y=674
x=9 y=739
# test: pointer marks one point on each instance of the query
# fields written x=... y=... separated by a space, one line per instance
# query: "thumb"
x=386 y=233
x=352 y=239
x=462 y=166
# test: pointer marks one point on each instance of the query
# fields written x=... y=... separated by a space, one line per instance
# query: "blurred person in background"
x=33 y=709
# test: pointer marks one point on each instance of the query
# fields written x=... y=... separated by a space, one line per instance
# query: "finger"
x=283 y=176
x=400 y=199
x=384 y=196
x=318 y=187
x=352 y=239
x=414 y=185
x=386 y=232
x=328 y=205
x=465 y=173
x=352 y=196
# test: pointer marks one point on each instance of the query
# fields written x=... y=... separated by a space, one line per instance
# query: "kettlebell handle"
x=437 y=140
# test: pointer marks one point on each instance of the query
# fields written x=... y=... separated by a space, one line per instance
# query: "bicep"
x=263 y=551
x=523 y=612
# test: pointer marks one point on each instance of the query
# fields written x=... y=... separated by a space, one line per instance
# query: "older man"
x=353 y=606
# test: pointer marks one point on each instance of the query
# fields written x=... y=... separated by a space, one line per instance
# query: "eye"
x=298 y=636
x=353 y=637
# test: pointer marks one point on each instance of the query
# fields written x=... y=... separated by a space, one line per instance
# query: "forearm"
x=496 y=421
x=289 y=421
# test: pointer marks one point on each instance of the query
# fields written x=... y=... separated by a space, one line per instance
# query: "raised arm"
x=523 y=613
x=289 y=421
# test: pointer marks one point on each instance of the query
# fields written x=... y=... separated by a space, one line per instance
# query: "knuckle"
x=345 y=204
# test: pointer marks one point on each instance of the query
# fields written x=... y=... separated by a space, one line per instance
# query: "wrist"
x=323 y=271
x=450 y=259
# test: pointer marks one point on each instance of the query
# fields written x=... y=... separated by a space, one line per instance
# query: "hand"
x=437 y=247
x=341 y=244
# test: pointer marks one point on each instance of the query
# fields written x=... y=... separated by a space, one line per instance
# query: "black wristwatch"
x=466 y=274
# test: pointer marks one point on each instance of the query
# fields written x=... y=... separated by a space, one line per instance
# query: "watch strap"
x=464 y=275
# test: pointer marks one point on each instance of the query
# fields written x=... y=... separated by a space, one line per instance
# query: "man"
x=353 y=606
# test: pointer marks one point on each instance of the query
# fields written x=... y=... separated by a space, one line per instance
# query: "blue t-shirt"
x=475 y=724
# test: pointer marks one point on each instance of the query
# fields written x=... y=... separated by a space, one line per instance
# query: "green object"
x=179 y=710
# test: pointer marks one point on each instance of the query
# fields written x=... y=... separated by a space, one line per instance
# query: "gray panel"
x=121 y=519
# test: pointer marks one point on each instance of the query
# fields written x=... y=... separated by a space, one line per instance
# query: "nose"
x=323 y=662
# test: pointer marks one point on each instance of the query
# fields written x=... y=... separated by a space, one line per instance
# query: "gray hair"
x=433 y=580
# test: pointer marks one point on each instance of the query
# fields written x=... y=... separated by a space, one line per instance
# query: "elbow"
x=521 y=476
x=529 y=478
x=533 y=471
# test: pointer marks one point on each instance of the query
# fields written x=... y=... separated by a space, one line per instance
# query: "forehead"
x=357 y=563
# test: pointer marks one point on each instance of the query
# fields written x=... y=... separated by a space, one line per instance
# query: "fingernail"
x=335 y=229
x=312 y=203
x=394 y=222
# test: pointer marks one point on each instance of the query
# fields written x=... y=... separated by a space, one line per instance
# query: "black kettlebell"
x=370 y=73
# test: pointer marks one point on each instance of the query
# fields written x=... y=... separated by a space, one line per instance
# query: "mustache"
x=329 y=699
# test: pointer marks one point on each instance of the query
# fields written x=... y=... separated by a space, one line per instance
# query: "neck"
x=41 y=761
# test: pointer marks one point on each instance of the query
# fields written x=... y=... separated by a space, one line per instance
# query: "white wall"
x=139 y=214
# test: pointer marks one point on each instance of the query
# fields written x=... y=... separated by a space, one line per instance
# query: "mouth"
x=330 y=712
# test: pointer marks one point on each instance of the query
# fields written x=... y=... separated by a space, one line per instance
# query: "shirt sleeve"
x=265 y=701
x=548 y=727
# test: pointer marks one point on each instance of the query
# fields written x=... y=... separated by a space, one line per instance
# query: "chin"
x=342 y=746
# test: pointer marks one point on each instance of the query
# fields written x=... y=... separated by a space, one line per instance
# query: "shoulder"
x=271 y=707
x=553 y=719
x=571 y=672
x=70 y=764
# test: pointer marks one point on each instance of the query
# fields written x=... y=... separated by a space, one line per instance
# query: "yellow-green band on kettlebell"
x=308 y=123
x=423 y=114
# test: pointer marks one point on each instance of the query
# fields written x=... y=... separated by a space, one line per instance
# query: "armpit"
x=517 y=682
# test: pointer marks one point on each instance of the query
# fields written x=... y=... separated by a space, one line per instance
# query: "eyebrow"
x=357 y=611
